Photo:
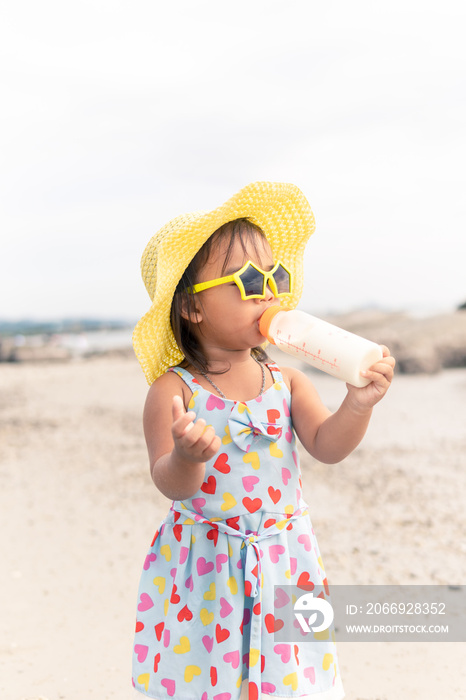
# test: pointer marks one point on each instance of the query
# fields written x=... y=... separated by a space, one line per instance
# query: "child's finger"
x=178 y=409
x=207 y=437
x=381 y=374
x=200 y=439
x=194 y=433
x=182 y=420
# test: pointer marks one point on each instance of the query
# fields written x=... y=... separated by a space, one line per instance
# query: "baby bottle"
x=320 y=344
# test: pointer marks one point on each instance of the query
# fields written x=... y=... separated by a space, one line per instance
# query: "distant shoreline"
x=420 y=344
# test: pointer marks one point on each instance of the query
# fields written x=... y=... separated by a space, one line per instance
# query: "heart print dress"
x=207 y=611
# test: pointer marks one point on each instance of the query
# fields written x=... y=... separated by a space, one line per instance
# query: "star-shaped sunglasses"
x=252 y=281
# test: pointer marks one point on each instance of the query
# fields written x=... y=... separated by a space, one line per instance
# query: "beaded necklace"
x=221 y=392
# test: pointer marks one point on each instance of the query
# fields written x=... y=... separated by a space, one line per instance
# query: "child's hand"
x=381 y=375
x=194 y=442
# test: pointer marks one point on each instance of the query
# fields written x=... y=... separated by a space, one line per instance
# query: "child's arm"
x=178 y=445
x=330 y=437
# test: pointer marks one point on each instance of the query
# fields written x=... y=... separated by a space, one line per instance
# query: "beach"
x=78 y=511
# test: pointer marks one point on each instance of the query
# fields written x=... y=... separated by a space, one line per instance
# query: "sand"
x=78 y=511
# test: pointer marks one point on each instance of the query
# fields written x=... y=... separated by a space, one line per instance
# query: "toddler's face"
x=224 y=317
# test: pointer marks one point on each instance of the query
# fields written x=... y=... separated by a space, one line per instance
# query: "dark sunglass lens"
x=282 y=280
x=253 y=281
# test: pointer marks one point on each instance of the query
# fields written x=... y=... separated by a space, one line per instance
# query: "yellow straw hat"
x=279 y=209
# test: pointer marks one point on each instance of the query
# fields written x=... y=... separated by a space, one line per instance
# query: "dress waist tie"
x=252 y=578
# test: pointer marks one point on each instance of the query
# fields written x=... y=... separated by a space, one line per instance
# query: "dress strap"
x=187 y=377
x=275 y=370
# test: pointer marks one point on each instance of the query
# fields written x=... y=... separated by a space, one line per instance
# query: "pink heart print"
x=225 y=608
x=198 y=504
x=274 y=551
x=141 y=651
x=306 y=541
x=214 y=402
x=284 y=651
x=220 y=559
x=184 y=551
x=281 y=598
x=208 y=642
x=169 y=684
x=268 y=688
x=203 y=566
x=149 y=559
x=146 y=602
x=232 y=657
x=249 y=482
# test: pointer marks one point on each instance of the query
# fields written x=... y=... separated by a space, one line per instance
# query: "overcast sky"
x=117 y=116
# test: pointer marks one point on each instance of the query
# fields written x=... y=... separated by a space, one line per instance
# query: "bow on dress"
x=245 y=428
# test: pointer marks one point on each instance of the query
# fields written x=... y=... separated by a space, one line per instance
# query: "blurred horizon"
x=117 y=322
x=118 y=118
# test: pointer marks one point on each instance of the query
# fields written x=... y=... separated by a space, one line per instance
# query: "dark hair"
x=241 y=230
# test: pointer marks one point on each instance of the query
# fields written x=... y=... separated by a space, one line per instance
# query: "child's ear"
x=191 y=311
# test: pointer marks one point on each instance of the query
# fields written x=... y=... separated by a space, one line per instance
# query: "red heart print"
x=253 y=692
x=174 y=598
x=210 y=485
x=270 y=522
x=159 y=629
x=252 y=504
x=221 y=463
x=273 y=415
x=275 y=494
x=184 y=614
x=177 y=530
x=305 y=582
x=156 y=662
x=212 y=534
x=233 y=522
x=221 y=634
x=156 y=535
x=272 y=624
x=139 y=626
x=213 y=675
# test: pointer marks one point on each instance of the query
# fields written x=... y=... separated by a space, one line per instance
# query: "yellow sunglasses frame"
x=236 y=277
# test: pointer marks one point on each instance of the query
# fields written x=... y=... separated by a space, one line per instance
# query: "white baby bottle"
x=322 y=345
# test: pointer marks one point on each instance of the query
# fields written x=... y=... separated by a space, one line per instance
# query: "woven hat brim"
x=279 y=209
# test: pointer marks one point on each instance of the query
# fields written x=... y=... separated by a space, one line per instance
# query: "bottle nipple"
x=265 y=321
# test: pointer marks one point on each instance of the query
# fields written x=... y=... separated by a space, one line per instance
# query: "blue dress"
x=208 y=611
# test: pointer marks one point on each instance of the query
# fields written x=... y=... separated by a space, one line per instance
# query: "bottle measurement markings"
x=303 y=350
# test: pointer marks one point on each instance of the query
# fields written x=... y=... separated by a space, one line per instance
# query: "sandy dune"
x=78 y=511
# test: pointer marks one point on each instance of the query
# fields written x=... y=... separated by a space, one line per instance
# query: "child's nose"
x=268 y=293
